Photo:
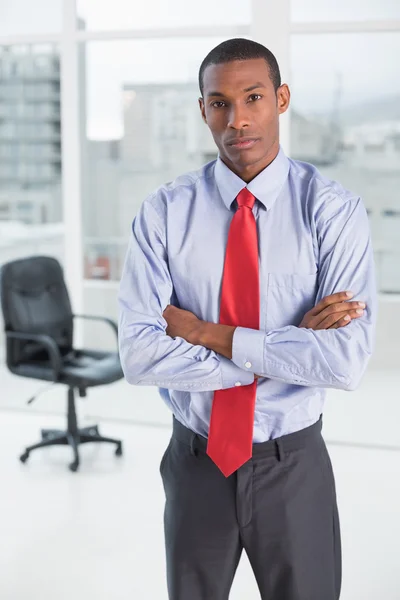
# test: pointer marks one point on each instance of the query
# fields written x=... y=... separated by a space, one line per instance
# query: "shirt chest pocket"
x=289 y=297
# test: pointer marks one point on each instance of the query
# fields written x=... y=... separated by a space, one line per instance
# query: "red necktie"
x=232 y=417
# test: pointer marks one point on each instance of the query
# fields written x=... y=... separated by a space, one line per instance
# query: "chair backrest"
x=35 y=300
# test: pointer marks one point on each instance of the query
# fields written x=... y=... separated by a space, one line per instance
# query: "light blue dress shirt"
x=314 y=240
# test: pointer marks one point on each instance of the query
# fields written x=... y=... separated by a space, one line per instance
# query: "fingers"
x=336 y=320
x=330 y=315
x=332 y=299
x=341 y=307
x=341 y=323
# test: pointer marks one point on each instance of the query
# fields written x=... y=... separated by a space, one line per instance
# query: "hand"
x=332 y=312
x=182 y=323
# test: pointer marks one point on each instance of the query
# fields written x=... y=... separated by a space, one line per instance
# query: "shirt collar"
x=265 y=187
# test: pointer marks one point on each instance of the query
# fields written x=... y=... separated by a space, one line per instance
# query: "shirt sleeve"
x=334 y=358
x=148 y=355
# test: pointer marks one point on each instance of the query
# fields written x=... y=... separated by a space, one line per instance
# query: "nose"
x=238 y=118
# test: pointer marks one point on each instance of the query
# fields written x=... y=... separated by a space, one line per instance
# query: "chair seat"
x=81 y=369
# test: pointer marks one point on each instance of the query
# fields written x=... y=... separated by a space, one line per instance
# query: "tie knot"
x=245 y=198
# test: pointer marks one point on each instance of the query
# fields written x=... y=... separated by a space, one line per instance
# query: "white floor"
x=97 y=534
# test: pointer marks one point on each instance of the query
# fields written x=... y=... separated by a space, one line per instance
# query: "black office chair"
x=38 y=324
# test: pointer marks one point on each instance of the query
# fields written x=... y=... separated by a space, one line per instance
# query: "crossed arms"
x=157 y=349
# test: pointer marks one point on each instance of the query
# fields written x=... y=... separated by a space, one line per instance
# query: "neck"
x=249 y=172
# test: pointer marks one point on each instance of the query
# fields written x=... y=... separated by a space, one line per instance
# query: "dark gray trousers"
x=280 y=507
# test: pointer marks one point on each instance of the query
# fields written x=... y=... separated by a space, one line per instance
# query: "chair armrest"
x=47 y=342
x=112 y=323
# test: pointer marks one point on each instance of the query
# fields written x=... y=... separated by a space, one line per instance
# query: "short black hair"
x=240 y=49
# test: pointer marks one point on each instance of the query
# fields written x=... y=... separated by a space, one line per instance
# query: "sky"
x=364 y=64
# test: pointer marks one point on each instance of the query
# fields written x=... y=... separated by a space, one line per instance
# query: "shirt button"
x=247 y=365
x=237 y=384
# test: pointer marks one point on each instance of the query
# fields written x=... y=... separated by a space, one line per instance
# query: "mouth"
x=243 y=143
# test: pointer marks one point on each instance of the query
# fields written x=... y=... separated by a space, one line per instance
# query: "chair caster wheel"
x=118 y=451
x=24 y=457
x=74 y=466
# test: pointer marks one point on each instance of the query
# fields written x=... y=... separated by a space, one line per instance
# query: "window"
x=123 y=14
x=29 y=136
x=345 y=119
x=21 y=17
x=344 y=10
x=143 y=128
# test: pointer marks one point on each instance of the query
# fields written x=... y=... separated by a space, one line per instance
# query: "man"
x=235 y=301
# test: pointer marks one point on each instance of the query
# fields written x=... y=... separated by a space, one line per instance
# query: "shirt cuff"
x=248 y=349
x=232 y=376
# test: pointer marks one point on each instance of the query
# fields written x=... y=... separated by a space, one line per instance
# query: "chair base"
x=55 y=437
x=73 y=436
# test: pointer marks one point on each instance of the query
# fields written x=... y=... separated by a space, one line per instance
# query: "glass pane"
x=143 y=128
x=344 y=10
x=30 y=147
x=120 y=14
x=346 y=120
x=19 y=17
x=30 y=154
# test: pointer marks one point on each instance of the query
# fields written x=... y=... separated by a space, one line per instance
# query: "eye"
x=254 y=97
x=218 y=104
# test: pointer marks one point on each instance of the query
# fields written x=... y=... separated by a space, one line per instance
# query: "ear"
x=283 y=97
x=202 y=110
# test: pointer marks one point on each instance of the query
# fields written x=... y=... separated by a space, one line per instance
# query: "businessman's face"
x=242 y=109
